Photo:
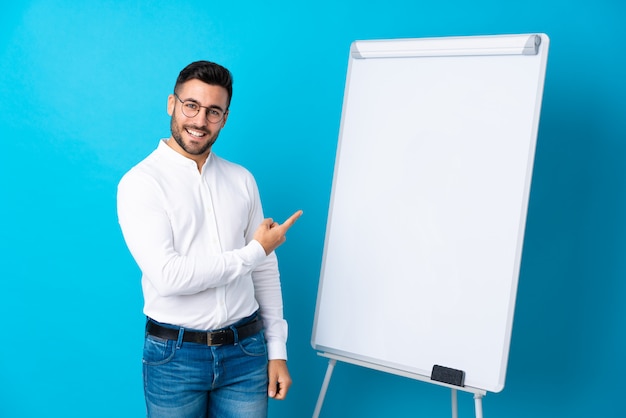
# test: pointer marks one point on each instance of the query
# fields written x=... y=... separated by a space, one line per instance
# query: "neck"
x=199 y=159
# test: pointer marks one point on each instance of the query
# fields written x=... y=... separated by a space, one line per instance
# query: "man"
x=215 y=340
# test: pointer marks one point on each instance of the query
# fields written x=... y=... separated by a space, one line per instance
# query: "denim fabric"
x=193 y=380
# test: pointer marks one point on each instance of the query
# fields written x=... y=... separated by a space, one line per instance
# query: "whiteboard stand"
x=322 y=395
x=455 y=405
x=478 y=405
x=478 y=393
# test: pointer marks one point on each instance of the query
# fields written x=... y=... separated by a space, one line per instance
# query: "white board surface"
x=428 y=206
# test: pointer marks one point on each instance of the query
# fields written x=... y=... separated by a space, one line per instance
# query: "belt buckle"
x=216 y=338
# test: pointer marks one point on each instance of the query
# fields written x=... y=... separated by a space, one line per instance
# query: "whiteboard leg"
x=320 y=399
x=455 y=407
x=478 y=402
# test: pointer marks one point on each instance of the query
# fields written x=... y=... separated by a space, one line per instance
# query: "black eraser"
x=447 y=375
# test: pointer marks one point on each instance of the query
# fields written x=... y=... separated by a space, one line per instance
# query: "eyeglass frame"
x=208 y=108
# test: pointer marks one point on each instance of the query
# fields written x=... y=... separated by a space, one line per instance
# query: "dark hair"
x=208 y=72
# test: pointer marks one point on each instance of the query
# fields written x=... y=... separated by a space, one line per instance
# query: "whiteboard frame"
x=474 y=46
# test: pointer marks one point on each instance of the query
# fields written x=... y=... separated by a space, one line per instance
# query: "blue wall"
x=84 y=86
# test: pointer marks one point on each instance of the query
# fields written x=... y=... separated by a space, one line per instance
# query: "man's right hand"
x=272 y=235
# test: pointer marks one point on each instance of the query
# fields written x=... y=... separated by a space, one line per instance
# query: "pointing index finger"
x=292 y=219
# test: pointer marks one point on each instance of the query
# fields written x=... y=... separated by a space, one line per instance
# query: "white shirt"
x=191 y=235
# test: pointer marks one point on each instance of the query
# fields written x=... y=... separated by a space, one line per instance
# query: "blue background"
x=84 y=88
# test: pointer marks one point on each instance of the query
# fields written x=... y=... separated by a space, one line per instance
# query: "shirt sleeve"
x=148 y=234
x=268 y=292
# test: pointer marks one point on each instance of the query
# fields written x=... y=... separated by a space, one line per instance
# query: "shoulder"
x=144 y=166
x=149 y=172
x=234 y=169
x=223 y=174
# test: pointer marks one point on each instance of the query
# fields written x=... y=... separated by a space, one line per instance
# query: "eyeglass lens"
x=191 y=109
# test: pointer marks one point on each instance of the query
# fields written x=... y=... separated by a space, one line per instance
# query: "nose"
x=202 y=117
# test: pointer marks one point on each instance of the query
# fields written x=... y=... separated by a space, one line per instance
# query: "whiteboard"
x=428 y=205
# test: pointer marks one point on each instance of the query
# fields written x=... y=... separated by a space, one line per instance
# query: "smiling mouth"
x=195 y=133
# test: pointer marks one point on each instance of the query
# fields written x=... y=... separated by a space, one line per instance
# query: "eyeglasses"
x=191 y=109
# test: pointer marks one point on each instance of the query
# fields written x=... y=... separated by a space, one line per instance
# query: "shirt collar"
x=167 y=152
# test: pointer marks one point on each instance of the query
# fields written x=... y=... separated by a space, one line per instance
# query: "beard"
x=192 y=148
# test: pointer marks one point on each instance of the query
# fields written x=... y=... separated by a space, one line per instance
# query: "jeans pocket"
x=158 y=351
x=254 y=345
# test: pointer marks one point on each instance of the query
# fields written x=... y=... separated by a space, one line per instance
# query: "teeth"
x=195 y=133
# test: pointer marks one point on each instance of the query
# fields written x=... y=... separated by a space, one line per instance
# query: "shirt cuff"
x=254 y=252
x=276 y=351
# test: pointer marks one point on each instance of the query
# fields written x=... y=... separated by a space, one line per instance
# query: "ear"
x=225 y=117
x=171 y=102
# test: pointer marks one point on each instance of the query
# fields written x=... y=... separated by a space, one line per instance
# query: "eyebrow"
x=206 y=107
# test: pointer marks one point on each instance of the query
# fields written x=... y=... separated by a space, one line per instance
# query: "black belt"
x=224 y=336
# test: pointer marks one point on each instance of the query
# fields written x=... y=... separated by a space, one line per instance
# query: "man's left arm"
x=268 y=294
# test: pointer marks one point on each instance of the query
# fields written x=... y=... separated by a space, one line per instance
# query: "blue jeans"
x=197 y=381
